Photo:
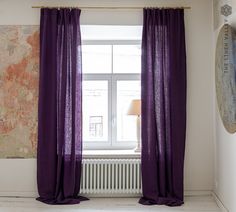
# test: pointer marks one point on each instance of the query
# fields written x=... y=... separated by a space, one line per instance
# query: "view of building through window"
x=95 y=110
x=96 y=126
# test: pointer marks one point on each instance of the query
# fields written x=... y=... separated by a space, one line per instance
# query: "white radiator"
x=111 y=177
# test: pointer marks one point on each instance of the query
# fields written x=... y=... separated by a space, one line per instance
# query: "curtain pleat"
x=163 y=96
x=60 y=107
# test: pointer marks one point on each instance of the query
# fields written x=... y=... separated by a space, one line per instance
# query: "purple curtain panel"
x=60 y=107
x=163 y=106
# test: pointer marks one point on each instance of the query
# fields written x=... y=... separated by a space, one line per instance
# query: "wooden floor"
x=192 y=204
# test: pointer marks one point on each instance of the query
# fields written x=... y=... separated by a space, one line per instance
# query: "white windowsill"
x=111 y=154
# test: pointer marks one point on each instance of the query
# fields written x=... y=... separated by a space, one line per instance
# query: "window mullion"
x=111 y=112
x=114 y=102
x=110 y=115
x=114 y=110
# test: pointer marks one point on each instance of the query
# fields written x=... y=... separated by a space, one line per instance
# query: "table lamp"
x=135 y=109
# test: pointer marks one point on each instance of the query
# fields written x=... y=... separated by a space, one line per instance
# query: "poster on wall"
x=19 y=68
x=225 y=76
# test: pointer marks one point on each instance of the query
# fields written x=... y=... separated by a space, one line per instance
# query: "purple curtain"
x=163 y=106
x=60 y=107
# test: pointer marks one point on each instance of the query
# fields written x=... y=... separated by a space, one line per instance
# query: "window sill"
x=111 y=154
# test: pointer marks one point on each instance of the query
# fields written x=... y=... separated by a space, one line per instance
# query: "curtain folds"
x=60 y=107
x=163 y=106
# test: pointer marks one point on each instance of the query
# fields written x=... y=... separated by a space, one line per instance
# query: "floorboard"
x=192 y=204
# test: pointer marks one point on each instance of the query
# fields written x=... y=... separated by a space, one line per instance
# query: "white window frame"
x=112 y=143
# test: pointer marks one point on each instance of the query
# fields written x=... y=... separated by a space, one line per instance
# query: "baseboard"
x=26 y=194
x=197 y=193
x=34 y=194
x=219 y=203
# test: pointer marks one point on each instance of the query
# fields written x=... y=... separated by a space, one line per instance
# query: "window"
x=111 y=81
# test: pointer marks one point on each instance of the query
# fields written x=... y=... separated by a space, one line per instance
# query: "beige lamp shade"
x=135 y=107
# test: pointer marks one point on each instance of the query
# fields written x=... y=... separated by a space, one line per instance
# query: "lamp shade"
x=135 y=107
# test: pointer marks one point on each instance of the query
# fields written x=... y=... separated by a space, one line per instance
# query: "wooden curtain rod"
x=110 y=8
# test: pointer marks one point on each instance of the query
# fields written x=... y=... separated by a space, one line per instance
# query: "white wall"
x=225 y=143
x=18 y=176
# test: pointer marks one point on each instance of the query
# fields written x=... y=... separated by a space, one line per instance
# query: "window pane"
x=126 y=124
x=126 y=59
x=95 y=110
x=96 y=58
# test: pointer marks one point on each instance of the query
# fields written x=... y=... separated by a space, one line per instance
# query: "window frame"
x=112 y=78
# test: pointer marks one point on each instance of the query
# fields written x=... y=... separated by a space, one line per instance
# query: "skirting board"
x=197 y=193
x=27 y=194
x=219 y=203
x=33 y=194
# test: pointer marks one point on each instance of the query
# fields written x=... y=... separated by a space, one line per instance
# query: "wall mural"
x=19 y=66
x=225 y=76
